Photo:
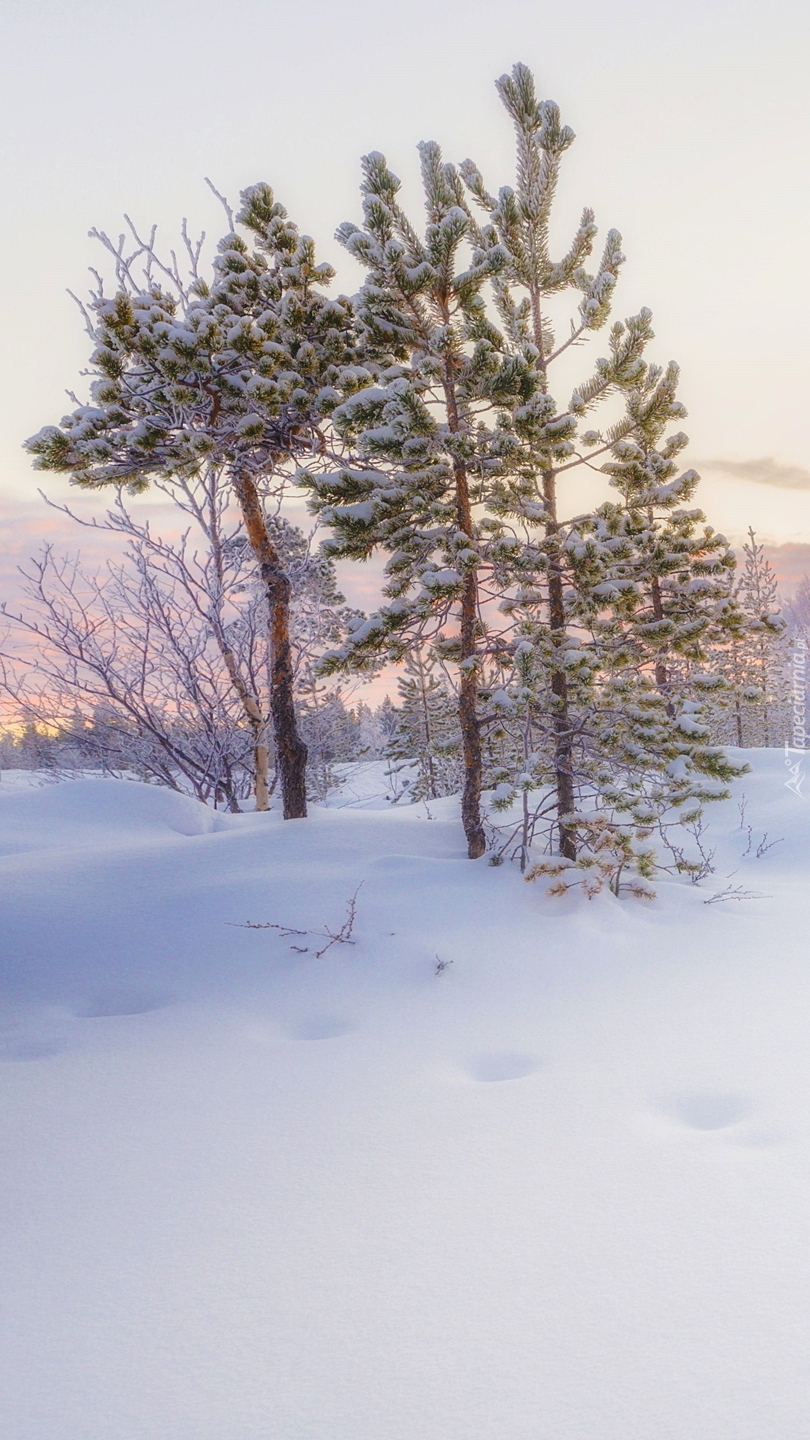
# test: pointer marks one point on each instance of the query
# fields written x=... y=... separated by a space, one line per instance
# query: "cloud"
x=766 y=471
x=791 y=563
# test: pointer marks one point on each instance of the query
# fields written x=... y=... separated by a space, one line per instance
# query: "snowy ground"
x=559 y=1191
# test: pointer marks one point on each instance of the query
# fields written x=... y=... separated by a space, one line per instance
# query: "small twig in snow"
x=343 y=936
x=735 y=892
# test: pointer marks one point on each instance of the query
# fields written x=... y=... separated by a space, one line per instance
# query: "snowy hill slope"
x=558 y=1191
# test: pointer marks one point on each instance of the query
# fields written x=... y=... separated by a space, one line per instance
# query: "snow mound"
x=86 y=812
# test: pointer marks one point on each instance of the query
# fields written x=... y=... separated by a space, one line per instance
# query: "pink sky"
x=25 y=527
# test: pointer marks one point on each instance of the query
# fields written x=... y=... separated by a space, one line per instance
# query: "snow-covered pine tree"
x=462 y=439
x=385 y=718
x=525 y=289
x=239 y=373
x=752 y=708
x=647 y=594
x=423 y=432
x=426 y=731
x=667 y=577
x=369 y=732
x=613 y=738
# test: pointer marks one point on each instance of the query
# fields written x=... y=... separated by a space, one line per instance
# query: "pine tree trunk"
x=561 y=718
x=470 y=733
x=527 y=749
x=291 y=752
x=468 y=691
x=563 y=739
x=661 y=672
x=250 y=702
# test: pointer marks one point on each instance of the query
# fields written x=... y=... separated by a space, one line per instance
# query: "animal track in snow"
x=502 y=1065
x=712 y=1110
x=323 y=1027
x=121 y=1003
x=30 y=1049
